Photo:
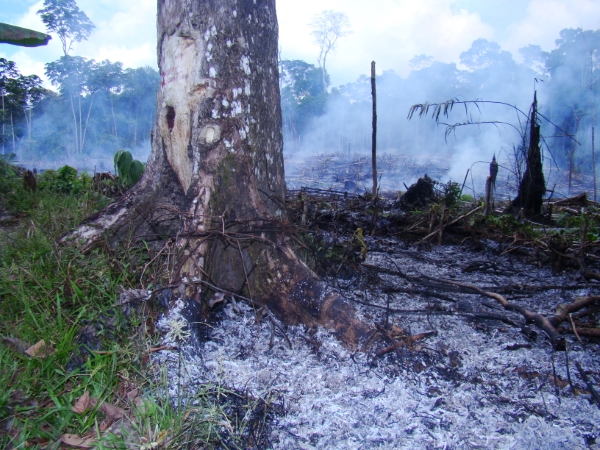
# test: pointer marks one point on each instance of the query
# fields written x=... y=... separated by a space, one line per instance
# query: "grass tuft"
x=64 y=340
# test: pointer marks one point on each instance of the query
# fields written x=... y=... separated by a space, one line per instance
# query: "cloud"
x=125 y=31
x=391 y=33
x=546 y=18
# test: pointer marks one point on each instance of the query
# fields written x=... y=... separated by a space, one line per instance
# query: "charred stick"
x=464 y=216
x=593 y=332
x=587 y=381
x=588 y=275
x=477 y=315
x=395 y=344
x=568 y=369
x=424 y=293
x=575 y=329
x=557 y=340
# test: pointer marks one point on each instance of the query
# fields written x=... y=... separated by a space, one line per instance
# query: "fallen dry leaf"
x=76 y=441
x=16 y=344
x=112 y=412
x=131 y=395
x=40 y=350
x=82 y=403
x=40 y=442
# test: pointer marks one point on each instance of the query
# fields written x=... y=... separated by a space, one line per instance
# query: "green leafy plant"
x=7 y=165
x=449 y=193
x=129 y=170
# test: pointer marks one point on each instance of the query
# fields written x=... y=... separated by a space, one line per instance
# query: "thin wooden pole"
x=374 y=148
x=374 y=137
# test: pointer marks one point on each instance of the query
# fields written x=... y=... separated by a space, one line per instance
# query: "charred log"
x=533 y=185
x=419 y=194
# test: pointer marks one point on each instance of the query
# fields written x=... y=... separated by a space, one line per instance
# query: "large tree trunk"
x=215 y=181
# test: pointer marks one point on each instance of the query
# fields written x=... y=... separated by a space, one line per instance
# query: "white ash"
x=458 y=389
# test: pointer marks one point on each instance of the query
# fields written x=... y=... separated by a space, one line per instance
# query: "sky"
x=390 y=32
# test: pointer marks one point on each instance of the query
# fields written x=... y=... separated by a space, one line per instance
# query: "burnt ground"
x=450 y=368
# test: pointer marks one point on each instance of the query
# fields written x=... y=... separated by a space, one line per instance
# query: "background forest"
x=94 y=109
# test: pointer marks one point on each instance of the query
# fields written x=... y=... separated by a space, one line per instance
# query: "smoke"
x=98 y=110
x=327 y=137
x=448 y=149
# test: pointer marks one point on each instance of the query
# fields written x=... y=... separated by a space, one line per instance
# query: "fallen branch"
x=578 y=200
x=458 y=219
x=474 y=315
x=592 y=332
x=587 y=274
x=563 y=310
x=558 y=342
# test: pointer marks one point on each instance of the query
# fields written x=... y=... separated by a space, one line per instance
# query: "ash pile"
x=453 y=368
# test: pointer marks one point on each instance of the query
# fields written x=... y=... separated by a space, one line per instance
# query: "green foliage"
x=53 y=292
x=8 y=167
x=64 y=180
x=129 y=170
x=450 y=193
x=508 y=225
x=588 y=219
x=49 y=292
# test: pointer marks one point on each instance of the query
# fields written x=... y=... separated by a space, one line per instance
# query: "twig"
x=408 y=340
x=464 y=216
x=162 y=347
x=575 y=329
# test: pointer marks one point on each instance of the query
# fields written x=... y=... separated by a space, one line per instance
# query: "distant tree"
x=71 y=74
x=420 y=62
x=106 y=78
x=327 y=28
x=573 y=71
x=484 y=54
x=493 y=71
x=64 y=18
x=535 y=58
x=139 y=98
x=8 y=71
x=28 y=93
x=302 y=95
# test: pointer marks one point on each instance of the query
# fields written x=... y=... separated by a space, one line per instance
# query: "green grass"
x=54 y=292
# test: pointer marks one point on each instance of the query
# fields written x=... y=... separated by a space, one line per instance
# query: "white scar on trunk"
x=182 y=90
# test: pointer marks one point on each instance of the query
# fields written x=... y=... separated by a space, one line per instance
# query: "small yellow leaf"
x=40 y=350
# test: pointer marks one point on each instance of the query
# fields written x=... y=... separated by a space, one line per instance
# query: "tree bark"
x=215 y=180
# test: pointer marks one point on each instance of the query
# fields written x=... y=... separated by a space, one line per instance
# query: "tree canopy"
x=64 y=18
